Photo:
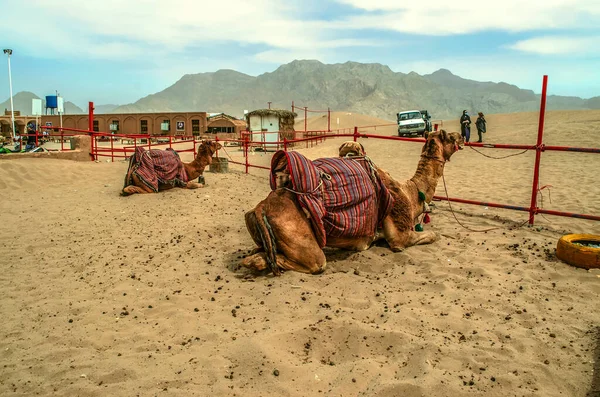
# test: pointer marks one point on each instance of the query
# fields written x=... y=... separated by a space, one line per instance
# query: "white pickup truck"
x=413 y=122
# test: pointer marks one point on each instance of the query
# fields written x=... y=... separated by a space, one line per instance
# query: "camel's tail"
x=268 y=240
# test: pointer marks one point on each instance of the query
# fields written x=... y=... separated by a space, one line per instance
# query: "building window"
x=96 y=127
x=195 y=126
x=165 y=125
x=114 y=125
x=144 y=126
x=216 y=130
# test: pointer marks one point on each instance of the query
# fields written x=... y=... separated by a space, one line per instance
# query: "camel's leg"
x=137 y=187
x=194 y=185
x=295 y=243
x=400 y=239
x=351 y=243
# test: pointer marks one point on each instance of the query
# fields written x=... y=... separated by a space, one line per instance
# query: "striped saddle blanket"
x=156 y=168
x=344 y=196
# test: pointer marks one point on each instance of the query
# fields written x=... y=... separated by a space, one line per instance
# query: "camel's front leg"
x=400 y=239
x=291 y=234
x=194 y=185
x=137 y=187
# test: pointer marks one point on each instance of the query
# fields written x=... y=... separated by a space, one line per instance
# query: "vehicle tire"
x=579 y=255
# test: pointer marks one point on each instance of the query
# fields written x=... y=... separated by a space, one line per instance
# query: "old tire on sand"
x=579 y=255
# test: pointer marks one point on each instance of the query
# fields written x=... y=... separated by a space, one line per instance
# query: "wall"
x=83 y=147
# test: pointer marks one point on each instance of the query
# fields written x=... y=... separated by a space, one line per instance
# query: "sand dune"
x=111 y=296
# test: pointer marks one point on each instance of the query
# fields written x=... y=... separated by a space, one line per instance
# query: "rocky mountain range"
x=371 y=89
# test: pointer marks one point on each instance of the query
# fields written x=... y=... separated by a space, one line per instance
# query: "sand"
x=122 y=296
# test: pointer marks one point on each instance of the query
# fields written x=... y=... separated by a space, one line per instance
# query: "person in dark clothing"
x=30 y=136
x=465 y=126
x=480 y=123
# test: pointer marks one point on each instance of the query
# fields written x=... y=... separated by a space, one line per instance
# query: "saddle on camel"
x=346 y=202
x=151 y=171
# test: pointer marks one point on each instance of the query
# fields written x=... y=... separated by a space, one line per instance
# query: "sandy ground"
x=105 y=295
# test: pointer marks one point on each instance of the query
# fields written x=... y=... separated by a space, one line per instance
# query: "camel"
x=284 y=232
x=151 y=171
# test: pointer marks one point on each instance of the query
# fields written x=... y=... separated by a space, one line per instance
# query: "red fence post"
x=91 y=130
x=246 y=136
x=355 y=133
x=305 y=110
x=538 y=152
x=328 y=120
x=112 y=149
x=285 y=144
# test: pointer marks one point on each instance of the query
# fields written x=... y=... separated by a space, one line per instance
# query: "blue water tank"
x=51 y=101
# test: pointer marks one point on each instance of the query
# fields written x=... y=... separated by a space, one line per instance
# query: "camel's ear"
x=443 y=136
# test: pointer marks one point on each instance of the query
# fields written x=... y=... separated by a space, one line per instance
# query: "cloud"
x=442 y=17
x=559 y=45
x=159 y=27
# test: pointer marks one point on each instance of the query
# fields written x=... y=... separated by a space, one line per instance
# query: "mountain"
x=103 y=109
x=22 y=103
x=367 y=88
x=372 y=89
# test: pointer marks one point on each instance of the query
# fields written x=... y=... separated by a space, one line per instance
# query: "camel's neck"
x=428 y=173
x=196 y=167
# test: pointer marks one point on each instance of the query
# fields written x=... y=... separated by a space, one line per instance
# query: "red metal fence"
x=249 y=144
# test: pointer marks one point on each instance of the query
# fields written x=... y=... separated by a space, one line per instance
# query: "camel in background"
x=284 y=229
x=151 y=171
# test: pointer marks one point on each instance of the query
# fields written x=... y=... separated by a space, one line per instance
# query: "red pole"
x=355 y=133
x=112 y=150
x=328 y=120
x=91 y=129
x=246 y=150
x=305 y=109
x=538 y=152
x=91 y=116
x=285 y=144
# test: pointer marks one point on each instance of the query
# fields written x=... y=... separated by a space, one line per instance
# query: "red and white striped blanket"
x=156 y=168
x=344 y=196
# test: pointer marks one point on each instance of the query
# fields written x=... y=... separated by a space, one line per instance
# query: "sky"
x=118 y=51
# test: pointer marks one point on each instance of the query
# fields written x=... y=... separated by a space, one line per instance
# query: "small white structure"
x=269 y=126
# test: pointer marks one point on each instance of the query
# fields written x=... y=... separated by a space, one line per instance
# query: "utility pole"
x=269 y=105
x=8 y=51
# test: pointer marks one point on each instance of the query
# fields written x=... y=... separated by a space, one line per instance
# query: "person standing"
x=465 y=126
x=480 y=123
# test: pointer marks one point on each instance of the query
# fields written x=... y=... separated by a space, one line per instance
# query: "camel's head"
x=442 y=144
x=351 y=148
x=208 y=148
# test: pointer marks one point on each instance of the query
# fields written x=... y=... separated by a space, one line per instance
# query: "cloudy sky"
x=117 y=51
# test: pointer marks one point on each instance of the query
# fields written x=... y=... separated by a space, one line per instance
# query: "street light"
x=12 y=112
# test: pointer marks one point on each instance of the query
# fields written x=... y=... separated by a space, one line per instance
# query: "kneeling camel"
x=283 y=224
x=151 y=171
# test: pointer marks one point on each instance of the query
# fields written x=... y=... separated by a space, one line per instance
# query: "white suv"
x=411 y=122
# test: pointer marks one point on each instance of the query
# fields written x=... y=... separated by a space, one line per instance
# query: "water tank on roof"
x=51 y=101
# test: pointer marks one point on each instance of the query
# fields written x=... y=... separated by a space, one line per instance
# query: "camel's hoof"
x=125 y=193
x=255 y=261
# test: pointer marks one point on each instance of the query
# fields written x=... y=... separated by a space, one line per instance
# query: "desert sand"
x=105 y=295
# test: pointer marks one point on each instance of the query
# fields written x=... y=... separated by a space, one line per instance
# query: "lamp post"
x=12 y=112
